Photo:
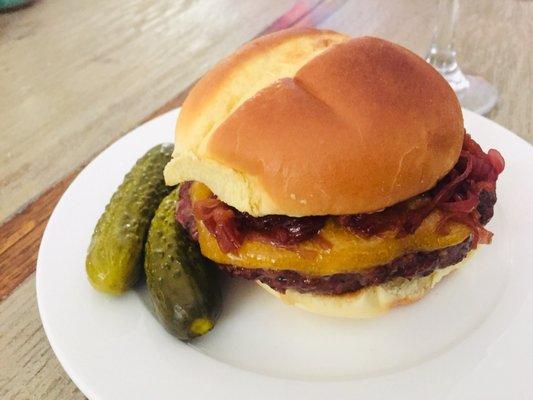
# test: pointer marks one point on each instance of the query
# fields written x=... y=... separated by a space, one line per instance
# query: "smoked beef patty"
x=406 y=266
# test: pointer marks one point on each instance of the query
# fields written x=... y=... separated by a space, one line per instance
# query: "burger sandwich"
x=334 y=171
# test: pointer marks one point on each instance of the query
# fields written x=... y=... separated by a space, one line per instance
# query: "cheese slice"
x=348 y=252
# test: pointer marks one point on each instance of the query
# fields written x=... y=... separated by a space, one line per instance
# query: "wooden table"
x=75 y=76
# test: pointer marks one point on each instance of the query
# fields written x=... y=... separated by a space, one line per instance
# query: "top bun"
x=310 y=122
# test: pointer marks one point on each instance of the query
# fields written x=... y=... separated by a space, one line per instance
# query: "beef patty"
x=407 y=266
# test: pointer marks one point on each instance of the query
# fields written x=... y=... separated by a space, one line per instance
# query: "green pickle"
x=115 y=255
x=182 y=283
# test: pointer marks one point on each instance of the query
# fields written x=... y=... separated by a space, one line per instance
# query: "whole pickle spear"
x=183 y=284
x=114 y=257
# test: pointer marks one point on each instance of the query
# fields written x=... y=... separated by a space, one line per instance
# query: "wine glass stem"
x=442 y=53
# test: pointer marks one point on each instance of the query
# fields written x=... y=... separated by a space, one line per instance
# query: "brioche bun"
x=310 y=122
x=368 y=302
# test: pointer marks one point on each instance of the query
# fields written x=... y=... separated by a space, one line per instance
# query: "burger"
x=334 y=171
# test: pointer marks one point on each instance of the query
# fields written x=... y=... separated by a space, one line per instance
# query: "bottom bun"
x=368 y=302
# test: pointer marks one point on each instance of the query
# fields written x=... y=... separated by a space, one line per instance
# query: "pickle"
x=183 y=285
x=115 y=254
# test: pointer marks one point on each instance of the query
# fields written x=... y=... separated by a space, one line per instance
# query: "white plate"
x=470 y=338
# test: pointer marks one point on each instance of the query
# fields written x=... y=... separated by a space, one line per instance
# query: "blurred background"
x=77 y=75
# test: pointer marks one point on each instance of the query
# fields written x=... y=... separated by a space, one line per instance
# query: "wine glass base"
x=479 y=97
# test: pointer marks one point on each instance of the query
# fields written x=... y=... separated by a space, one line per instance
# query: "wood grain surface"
x=65 y=97
x=75 y=76
x=20 y=237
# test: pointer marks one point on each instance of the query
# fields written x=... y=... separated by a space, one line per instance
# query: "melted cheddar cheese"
x=348 y=252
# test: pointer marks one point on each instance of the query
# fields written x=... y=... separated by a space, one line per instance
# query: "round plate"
x=469 y=338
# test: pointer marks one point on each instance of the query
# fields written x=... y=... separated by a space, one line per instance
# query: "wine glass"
x=474 y=92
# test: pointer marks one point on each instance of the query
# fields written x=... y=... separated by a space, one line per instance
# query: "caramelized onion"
x=457 y=196
x=497 y=161
x=219 y=219
x=230 y=226
x=464 y=206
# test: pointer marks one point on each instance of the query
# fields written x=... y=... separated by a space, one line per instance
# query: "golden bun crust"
x=368 y=302
x=310 y=122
